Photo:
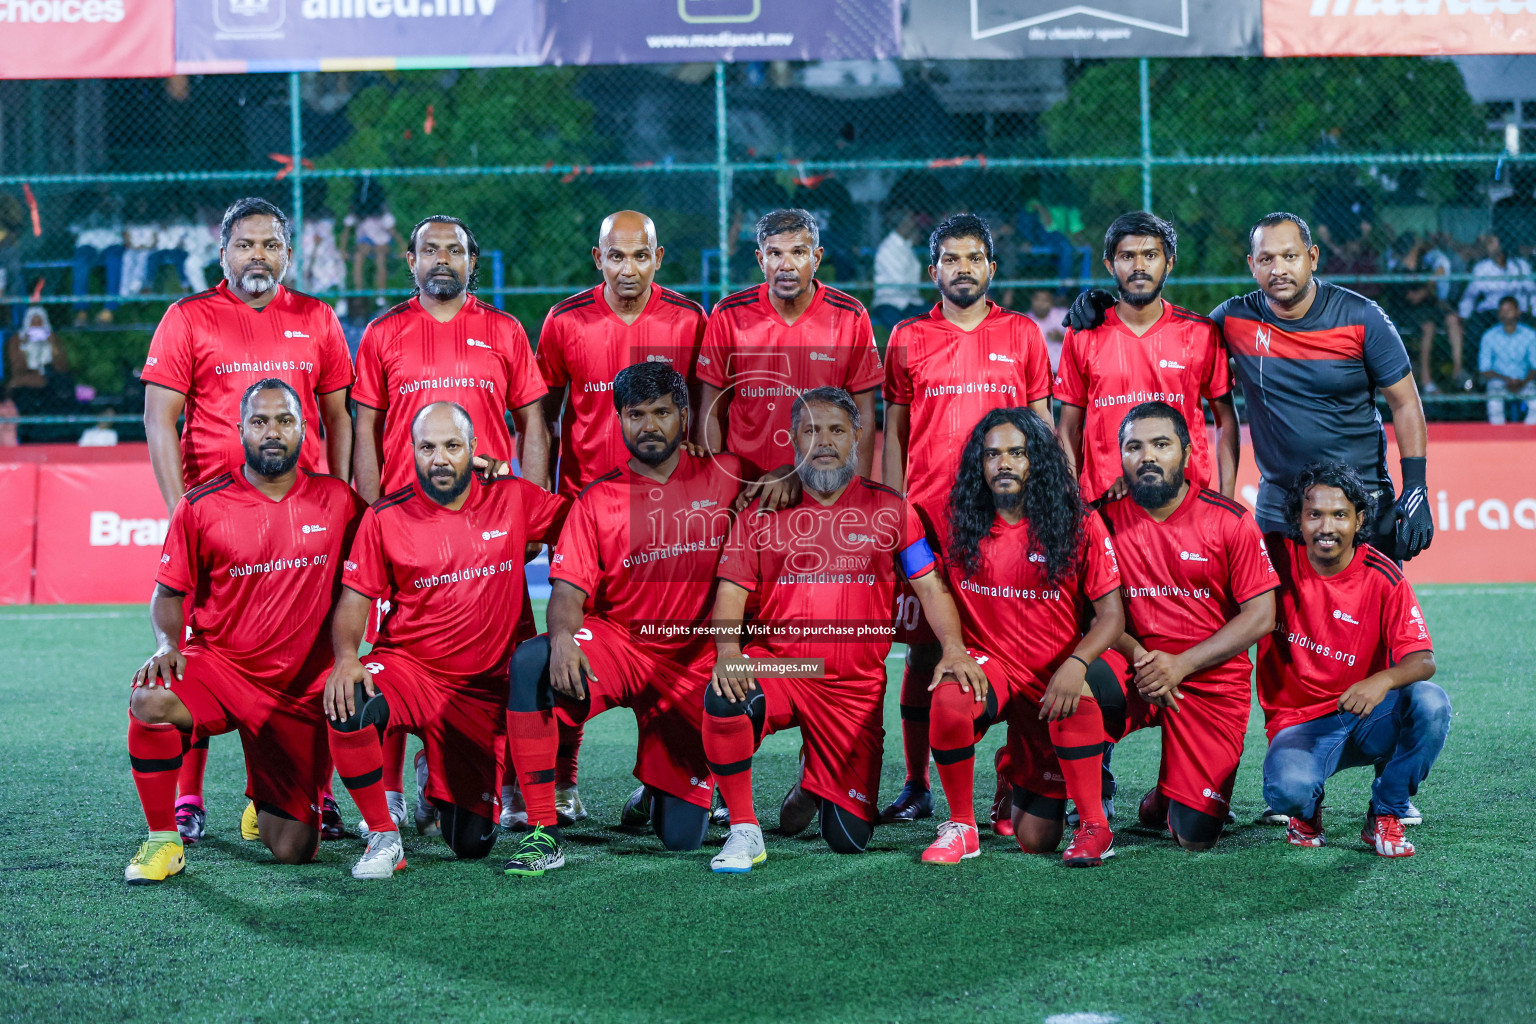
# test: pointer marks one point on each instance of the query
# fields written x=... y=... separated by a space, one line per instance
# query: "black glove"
x=1415 y=521
x=1088 y=308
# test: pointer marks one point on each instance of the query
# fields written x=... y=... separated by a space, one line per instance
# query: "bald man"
x=442 y=345
x=586 y=340
x=447 y=554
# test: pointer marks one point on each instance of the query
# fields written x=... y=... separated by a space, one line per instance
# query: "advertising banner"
x=86 y=38
x=1318 y=28
x=335 y=35
x=1008 y=29
x=18 y=499
x=99 y=531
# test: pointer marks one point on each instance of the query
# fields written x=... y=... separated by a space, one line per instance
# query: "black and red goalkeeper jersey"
x=263 y=575
x=1011 y=612
x=645 y=553
x=584 y=345
x=1332 y=632
x=455 y=578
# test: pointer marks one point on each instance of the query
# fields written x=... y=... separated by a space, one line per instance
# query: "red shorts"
x=460 y=722
x=842 y=734
x=1202 y=742
x=287 y=753
x=1028 y=758
x=667 y=697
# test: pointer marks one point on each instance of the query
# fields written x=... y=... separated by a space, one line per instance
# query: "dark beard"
x=964 y=301
x=271 y=466
x=1156 y=495
x=655 y=458
x=1142 y=301
x=444 y=495
x=443 y=288
x=1007 y=501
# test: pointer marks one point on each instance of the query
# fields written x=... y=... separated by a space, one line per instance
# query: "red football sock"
x=952 y=733
x=154 y=752
x=394 y=762
x=1079 y=743
x=533 y=739
x=728 y=747
x=360 y=763
x=566 y=755
x=189 y=780
x=915 y=699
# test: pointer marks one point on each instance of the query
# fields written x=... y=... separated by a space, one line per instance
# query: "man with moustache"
x=207 y=350
x=633 y=579
x=447 y=553
x=1199 y=591
x=443 y=345
x=255 y=553
x=824 y=572
x=944 y=371
x=586 y=340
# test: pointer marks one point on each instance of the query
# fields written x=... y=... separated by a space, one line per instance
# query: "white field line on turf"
x=1082 y=1018
x=46 y=616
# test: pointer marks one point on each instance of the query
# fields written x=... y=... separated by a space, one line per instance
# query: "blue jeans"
x=1402 y=737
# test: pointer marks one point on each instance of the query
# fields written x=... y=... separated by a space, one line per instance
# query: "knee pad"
x=467 y=834
x=529 y=688
x=844 y=831
x=754 y=707
x=366 y=710
x=679 y=824
x=1109 y=690
x=1193 y=826
x=1047 y=807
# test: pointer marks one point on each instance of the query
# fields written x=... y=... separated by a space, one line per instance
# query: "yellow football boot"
x=157 y=860
x=250 y=830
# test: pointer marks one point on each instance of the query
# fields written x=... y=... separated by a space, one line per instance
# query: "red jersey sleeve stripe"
x=392 y=499
x=749 y=587
x=1222 y=501
x=612 y=474
x=206 y=294
x=392 y=311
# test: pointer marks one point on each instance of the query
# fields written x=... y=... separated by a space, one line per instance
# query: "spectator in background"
x=8 y=413
x=39 y=380
x=325 y=268
x=1420 y=308
x=898 y=272
x=1046 y=310
x=373 y=232
x=1042 y=234
x=1514 y=216
x=1345 y=213
x=1494 y=276
x=98 y=243
x=102 y=435
x=1506 y=359
x=12 y=217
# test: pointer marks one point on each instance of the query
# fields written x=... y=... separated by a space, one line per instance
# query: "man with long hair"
x=1025 y=564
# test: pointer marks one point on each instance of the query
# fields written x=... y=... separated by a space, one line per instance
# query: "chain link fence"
x=110 y=190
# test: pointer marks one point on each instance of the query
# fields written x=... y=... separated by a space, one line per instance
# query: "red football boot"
x=1092 y=845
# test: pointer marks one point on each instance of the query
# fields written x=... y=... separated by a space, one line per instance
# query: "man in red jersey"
x=633 y=579
x=208 y=349
x=1038 y=591
x=1199 y=591
x=586 y=340
x=1147 y=349
x=943 y=372
x=824 y=572
x=256 y=553
x=1344 y=678
x=443 y=345
x=447 y=553
x=768 y=344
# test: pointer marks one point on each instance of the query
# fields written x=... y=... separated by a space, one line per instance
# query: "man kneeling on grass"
x=1344 y=677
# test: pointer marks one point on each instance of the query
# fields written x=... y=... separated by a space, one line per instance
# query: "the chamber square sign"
x=1098 y=28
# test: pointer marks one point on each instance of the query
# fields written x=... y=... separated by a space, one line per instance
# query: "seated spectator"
x=1047 y=311
x=1418 y=307
x=39 y=380
x=898 y=272
x=372 y=226
x=1506 y=358
x=1039 y=237
x=1494 y=276
x=1354 y=258
x=102 y=435
x=98 y=243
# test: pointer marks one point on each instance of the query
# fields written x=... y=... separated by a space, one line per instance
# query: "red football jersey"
x=263 y=575
x=1008 y=609
x=951 y=379
x=1109 y=370
x=211 y=347
x=825 y=576
x=1332 y=632
x=1184 y=578
x=455 y=579
x=645 y=553
x=480 y=359
x=584 y=345
x=765 y=363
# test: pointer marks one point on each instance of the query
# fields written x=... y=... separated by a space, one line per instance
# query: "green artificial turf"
x=1254 y=931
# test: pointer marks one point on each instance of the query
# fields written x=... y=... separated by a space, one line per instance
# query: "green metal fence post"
x=1146 y=137
x=722 y=181
x=296 y=143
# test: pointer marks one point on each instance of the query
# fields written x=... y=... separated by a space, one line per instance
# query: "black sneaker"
x=330 y=820
x=913 y=802
x=537 y=851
